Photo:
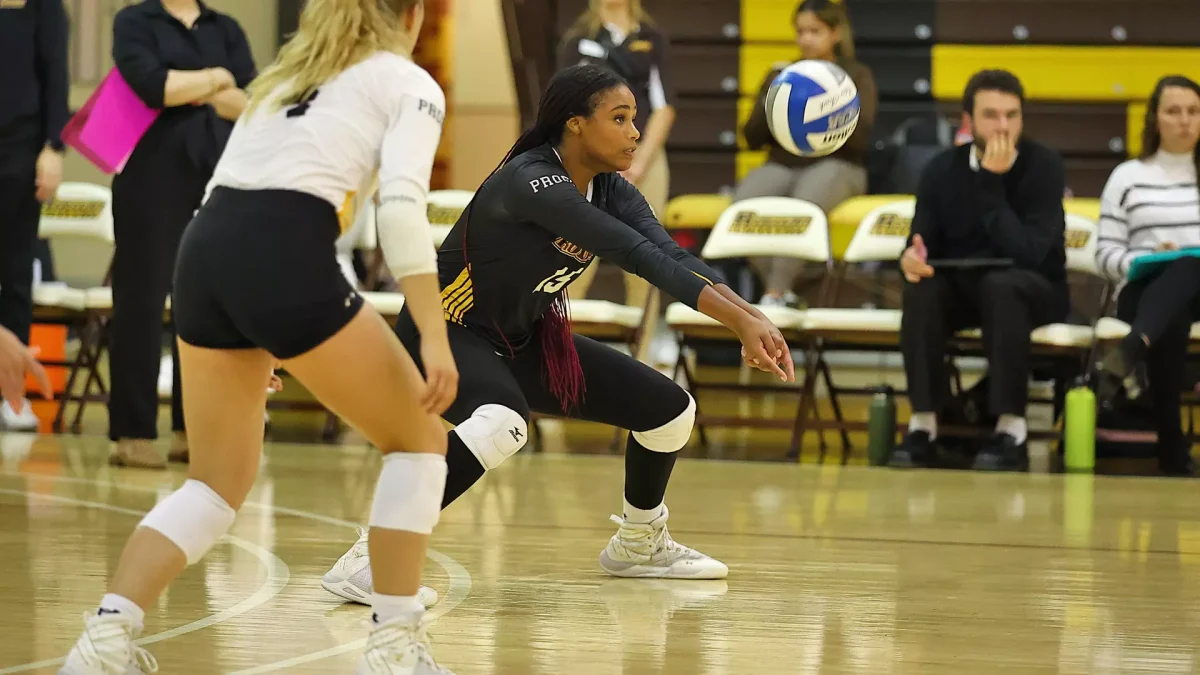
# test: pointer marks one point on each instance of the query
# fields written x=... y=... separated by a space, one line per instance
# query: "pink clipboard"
x=110 y=124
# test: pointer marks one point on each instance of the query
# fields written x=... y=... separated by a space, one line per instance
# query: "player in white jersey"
x=257 y=281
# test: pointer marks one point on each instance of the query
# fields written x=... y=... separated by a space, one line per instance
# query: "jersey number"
x=301 y=108
x=555 y=282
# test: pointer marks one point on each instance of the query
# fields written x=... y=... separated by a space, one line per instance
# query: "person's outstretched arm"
x=542 y=193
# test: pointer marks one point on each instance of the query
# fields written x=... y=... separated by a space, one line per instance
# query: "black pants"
x=154 y=198
x=19 y=215
x=620 y=391
x=1006 y=304
x=1162 y=309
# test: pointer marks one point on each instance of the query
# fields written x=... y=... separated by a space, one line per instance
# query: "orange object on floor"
x=49 y=343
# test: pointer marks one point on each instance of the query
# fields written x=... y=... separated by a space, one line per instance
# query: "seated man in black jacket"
x=998 y=198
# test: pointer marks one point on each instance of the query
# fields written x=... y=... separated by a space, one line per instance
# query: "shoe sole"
x=348 y=591
x=648 y=572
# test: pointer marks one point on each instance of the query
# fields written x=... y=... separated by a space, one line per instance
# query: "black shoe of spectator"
x=915 y=451
x=1002 y=453
x=1116 y=375
x=1175 y=459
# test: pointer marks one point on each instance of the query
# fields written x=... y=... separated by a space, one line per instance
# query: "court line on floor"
x=460 y=578
x=278 y=575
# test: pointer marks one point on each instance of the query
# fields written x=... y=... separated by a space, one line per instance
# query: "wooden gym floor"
x=833 y=569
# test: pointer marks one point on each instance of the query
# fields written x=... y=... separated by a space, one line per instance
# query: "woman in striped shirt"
x=1152 y=204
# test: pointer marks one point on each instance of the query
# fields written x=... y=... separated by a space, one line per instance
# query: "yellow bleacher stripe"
x=1061 y=73
x=756 y=60
x=749 y=160
x=768 y=21
x=1135 y=119
x=745 y=106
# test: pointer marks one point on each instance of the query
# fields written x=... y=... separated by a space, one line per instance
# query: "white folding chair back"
x=1081 y=235
x=882 y=233
x=1080 y=244
x=445 y=206
x=79 y=227
x=777 y=227
x=81 y=210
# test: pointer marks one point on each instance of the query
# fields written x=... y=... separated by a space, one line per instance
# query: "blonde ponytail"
x=333 y=35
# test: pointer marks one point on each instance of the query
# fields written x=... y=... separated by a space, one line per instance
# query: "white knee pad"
x=493 y=433
x=408 y=496
x=193 y=517
x=672 y=436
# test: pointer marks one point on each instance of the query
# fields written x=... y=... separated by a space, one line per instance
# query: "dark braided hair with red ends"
x=573 y=92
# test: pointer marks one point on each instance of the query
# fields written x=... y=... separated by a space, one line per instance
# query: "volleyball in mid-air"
x=812 y=108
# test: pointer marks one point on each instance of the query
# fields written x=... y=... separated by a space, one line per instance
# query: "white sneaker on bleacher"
x=648 y=551
x=350 y=577
x=106 y=648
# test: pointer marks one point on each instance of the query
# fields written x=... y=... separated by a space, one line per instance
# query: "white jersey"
x=379 y=118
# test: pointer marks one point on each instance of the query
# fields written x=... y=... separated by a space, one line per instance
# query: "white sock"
x=923 y=421
x=1013 y=426
x=641 y=516
x=388 y=607
x=112 y=603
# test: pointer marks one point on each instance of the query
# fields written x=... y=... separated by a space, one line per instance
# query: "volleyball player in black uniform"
x=554 y=204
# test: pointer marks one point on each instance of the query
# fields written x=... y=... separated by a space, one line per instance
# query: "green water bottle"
x=1079 y=432
x=881 y=426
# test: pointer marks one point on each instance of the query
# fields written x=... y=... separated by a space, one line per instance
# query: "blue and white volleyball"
x=812 y=108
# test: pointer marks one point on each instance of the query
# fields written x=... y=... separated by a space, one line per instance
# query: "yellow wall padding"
x=758 y=60
x=749 y=160
x=1065 y=73
x=768 y=20
x=1135 y=119
x=745 y=107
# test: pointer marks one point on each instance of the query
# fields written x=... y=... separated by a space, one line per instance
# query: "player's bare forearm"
x=422 y=295
x=714 y=304
x=727 y=293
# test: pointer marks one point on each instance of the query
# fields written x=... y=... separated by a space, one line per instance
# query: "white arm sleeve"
x=405 y=166
x=406 y=239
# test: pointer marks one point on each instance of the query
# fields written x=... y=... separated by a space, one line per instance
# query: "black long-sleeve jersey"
x=528 y=233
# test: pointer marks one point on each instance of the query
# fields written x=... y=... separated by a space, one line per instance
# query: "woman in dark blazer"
x=193 y=63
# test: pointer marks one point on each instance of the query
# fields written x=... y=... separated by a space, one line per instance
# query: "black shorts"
x=258 y=269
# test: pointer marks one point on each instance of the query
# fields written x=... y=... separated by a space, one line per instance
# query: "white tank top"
x=380 y=118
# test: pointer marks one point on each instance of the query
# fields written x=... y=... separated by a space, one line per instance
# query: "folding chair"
x=880 y=237
x=80 y=215
x=764 y=226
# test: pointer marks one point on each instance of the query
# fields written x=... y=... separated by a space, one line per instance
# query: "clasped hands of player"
x=764 y=348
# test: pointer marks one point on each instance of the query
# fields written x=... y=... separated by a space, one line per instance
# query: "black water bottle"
x=881 y=426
